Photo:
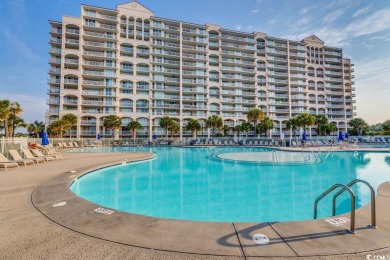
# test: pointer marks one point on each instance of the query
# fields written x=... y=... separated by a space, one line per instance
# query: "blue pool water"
x=189 y=184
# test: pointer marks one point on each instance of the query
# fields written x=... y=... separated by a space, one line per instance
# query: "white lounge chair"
x=41 y=155
x=18 y=159
x=4 y=161
x=27 y=153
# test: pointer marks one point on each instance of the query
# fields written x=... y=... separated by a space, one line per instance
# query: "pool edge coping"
x=385 y=187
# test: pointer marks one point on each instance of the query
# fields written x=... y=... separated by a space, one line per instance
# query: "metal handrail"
x=373 y=208
x=352 y=226
x=274 y=157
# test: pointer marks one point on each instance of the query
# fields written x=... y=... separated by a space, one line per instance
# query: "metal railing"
x=352 y=195
x=373 y=208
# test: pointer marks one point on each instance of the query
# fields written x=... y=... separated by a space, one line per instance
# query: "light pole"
x=14 y=107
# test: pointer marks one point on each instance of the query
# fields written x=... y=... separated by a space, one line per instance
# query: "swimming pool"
x=191 y=184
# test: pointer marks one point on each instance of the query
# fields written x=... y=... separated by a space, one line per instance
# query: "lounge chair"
x=53 y=153
x=40 y=154
x=7 y=163
x=71 y=145
x=18 y=159
x=27 y=153
x=76 y=145
x=60 y=145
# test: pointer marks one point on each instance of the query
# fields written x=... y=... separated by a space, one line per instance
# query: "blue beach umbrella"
x=304 y=136
x=45 y=140
x=154 y=137
x=341 y=138
x=98 y=137
x=346 y=135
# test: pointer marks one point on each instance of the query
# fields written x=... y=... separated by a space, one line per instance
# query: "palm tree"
x=246 y=127
x=4 y=114
x=134 y=126
x=16 y=122
x=292 y=124
x=238 y=129
x=71 y=119
x=15 y=109
x=358 y=124
x=265 y=124
x=165 y=123
x=305 y=119
x=386 y=127
x=331 y=127
x=226 y=130
x=175 y=128
x=112 y=122
x=214 y=122
x=36 y=128
x=321 y=121
x=254 y=115
x=194 y=126
x=57 y=128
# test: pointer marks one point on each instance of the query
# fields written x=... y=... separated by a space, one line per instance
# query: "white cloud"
x=333 y=16
x=238 y=27
x=254 y=11
x=33 y=107
x=376 y=22
x=272 y=21
x=362 y=11
x=339 y=37
x=17 y=44
x=367 y=45
x=372 y=90
x=384 y=38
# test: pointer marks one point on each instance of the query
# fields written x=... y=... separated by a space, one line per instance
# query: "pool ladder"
x=352 y=195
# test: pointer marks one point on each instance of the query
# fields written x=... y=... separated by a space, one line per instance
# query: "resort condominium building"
x=130 y=63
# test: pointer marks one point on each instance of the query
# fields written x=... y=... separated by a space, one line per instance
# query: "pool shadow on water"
x=246 y=241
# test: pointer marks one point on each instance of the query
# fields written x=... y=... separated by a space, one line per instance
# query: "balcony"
x=72 y=41
x=71 y=81
x=70 y=102
x=99 y=35
x=71 y=61
x=88 y=122
x=55 y=61
x=98 y=103
x=98 y=93
x=72 y=31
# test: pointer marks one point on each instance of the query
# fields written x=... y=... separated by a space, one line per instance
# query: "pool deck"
x=32 y=228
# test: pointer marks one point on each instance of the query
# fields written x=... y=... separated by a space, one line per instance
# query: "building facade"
x=130 y=63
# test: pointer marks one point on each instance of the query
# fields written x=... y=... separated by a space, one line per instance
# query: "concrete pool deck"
x=76 y=230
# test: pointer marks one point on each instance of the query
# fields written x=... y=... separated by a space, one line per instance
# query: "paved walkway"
x=71 y=231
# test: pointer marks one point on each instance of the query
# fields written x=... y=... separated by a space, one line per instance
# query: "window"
x=157 y=32
x=127 y=84
x=90 y=22
x=90 y=13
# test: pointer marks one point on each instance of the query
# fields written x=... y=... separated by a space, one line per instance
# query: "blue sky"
x=360 y=27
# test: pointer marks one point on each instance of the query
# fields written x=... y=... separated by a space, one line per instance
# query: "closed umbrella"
x=346 y=136
x=154 y=137
x=45 y=140
x=341 y=138
x=303 y=139
x=98 y=137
